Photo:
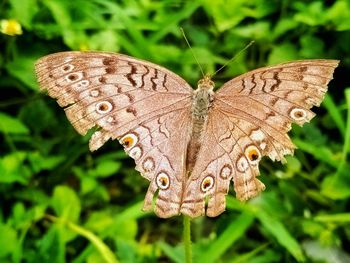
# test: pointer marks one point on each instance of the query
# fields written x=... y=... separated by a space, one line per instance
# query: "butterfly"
x=190 y=144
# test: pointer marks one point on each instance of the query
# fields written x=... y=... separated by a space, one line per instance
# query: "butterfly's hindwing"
x=158 y=147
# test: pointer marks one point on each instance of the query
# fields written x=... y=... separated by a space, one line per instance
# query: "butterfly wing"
x=249 y=119
x=139 y=103
x=275 y=97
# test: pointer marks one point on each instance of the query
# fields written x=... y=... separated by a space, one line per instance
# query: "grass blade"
x=335 y=218
x=104 y=250
x=280 y=232
x=334 y=111
x=231 y=234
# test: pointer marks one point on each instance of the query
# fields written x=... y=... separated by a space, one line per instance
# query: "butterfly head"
x=206 y=83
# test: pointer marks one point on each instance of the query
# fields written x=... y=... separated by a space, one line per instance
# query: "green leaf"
x=339 y=14
x=310 y=14
x=40 y=162
x=228 y=17
x=231 y=234
x=127 y=250
x=106 y=40
x=282 y=53
x=337 y=186
x=61 y=12
x=104 y=250
x=254 y=31
x=24 y=10
x=284 y=25
x=66 y=203
x=9 y=124
x=336 y=218
x=22 y=68
x=171 y=20
x=51 y=248
x=311 y=47
x=13 y=169
x=107 y=168
x=8 y=240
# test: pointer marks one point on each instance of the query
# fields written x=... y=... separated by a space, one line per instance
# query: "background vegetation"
x=61 y=203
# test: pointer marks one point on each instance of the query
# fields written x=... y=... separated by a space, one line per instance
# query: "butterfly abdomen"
x=202 y=100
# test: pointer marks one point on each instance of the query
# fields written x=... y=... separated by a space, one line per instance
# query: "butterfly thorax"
x=202 y=100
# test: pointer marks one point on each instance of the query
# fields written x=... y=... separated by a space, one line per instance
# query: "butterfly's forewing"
x=277 y=96
x=137 y=102
x=249 y=119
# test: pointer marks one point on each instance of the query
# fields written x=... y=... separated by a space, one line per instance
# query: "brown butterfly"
x=188 y=143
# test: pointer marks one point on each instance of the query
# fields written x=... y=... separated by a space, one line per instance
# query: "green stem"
x=187 y=239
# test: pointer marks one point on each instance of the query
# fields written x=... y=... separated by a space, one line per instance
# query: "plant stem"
x=187 y=239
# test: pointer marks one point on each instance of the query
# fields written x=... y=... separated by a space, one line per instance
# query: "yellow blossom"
x=10 y=27
x=83 y=47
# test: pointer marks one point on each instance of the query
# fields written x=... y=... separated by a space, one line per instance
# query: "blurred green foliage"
x=61 y=203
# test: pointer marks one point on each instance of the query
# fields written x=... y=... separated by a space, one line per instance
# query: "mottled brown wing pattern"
x=277 y=96
x=134 y=101
x=148 y=109
x=250 y=118
x=232 y=150
x=158 y=147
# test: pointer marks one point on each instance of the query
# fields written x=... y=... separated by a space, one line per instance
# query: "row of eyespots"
x=77 y=79
x=252 y=156
x=129 y=141
x=209 y=180
x=102 y=107
x=72 y=77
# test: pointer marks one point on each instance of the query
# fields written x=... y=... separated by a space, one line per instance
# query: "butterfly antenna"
x=233 y=58
x=194 y=55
